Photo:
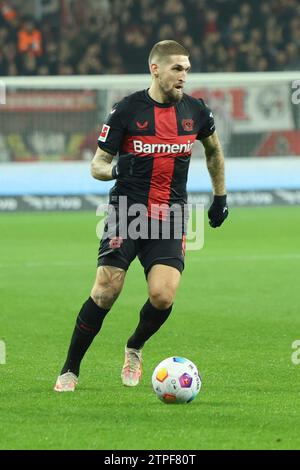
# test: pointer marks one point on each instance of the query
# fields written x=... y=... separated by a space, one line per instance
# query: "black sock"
x=88 y=324
x=151 y=319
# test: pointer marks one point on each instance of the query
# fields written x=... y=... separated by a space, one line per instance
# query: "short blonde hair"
x=163 y=49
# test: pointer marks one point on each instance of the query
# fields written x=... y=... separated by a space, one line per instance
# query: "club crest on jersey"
x=142 y=126
x=104 y=133
x=187 y=124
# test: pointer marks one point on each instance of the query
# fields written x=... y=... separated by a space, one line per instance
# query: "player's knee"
x=104 y=297
x=161 y=298
x=108 y=285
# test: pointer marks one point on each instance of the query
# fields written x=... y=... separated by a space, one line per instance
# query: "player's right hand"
x=124 y=167
x=218 y=211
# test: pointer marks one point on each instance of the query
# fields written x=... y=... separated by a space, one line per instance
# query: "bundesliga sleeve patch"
x=104 y=133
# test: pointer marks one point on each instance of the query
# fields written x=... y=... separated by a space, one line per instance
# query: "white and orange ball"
x=176 y=380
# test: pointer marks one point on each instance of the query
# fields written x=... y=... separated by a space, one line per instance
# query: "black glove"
x=124 y=167
x=218 y=211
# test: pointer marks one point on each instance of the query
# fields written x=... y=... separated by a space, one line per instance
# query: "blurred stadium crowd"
x=66 y=37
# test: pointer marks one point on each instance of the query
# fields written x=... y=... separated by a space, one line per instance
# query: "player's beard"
x=171 y=95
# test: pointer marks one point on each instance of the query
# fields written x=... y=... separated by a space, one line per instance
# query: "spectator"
x=29 y=39
x=8 y=13
x=111 y=36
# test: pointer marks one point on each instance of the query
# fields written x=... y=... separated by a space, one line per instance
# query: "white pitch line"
x=54 y=264
x=203 y=258
x=269 y=257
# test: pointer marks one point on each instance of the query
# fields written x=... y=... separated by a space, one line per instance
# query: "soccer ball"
x=176 y=380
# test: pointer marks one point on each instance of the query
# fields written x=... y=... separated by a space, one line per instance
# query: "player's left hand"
x=124 y=167
x=218 y=211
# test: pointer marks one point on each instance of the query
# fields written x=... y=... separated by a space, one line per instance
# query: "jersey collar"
x=160 y=105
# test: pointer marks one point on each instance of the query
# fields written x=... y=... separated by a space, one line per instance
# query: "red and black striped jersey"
x=160 y=138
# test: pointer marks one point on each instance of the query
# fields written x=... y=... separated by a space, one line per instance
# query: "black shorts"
x=120 y=252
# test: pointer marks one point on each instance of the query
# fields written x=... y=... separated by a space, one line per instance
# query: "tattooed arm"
x=215 y=163
x=101 y=166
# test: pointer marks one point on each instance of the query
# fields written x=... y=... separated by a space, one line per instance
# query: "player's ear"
x=154 y=69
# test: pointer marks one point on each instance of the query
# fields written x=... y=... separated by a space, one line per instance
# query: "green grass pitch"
x=236 y=316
